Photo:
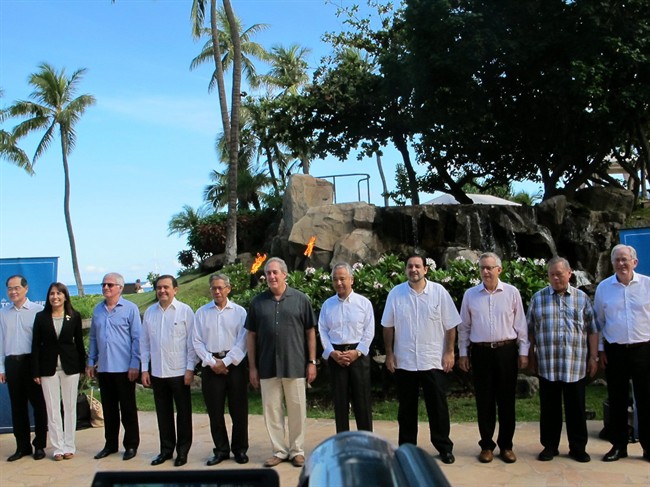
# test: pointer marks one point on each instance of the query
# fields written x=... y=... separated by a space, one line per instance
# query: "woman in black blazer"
x=58 y=359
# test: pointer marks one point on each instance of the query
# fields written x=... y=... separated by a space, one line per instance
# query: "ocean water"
x=88 y=289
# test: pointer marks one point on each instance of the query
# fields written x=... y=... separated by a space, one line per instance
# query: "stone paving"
x=467 y=471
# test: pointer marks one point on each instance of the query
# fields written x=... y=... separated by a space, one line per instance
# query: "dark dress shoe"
x=508 y=456
x=18 y=455
x=39 y=454
x=217 y=459
x=180 y=461
x=104 y=453
x=241 y=457
x=447 y=458
x=162 y=458
x=129 y=453
x=547 y=454
x=581 y=456
x=614 y=454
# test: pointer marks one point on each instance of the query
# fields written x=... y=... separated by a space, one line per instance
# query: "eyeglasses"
x=109 y=285
x=218 y=288
x=488 y=267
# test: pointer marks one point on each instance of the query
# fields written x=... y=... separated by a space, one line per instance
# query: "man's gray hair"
x=558 y=260
x=220 y=276
x=282 y=263
x=118 y=278
x=618 y=247
x=490 y=255
x=343 y=265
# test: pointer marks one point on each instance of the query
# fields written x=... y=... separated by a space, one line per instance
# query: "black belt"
x=220 y=355
x=629 y=345
x=18 y=358
x=345 y=347
x=495 y=344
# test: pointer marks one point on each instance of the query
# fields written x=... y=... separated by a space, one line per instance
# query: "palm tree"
x=55 y=108
x=230 y=122
x=249 y=49
x=288 y=74
x=288 y=69
x=251 y=180
x=9 y=149
x=184 y=221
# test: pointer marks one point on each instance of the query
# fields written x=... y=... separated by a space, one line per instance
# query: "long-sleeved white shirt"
x=220 y=330
x=166 y=340
x=16 y=330
x=344 y=321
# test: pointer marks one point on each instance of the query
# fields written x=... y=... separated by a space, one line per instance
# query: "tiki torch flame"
x=259 y=260
x=310 y=246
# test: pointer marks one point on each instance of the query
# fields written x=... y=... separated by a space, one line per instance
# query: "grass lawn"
x=461 y=408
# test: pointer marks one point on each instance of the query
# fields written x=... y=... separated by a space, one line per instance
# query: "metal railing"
x=362 y=177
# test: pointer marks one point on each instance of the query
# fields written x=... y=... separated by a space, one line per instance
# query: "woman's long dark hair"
x=67 y=306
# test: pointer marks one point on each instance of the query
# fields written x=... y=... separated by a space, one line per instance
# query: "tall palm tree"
x=54 y=107
x=249 y=49
x=230 y=122
x=9 y=149
x=288 y=68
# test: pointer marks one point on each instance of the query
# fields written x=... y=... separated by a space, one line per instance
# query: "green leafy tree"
x=55 y=107
x=230 y=121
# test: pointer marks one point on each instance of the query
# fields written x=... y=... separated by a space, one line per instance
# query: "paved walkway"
x=467 y=471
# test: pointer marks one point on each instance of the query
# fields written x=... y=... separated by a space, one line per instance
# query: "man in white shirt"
x=16 y=329
x=494 y=328
x=220 y=343
x=347 y=326
x=419 y=322
x=166 y=341
x=622 y=307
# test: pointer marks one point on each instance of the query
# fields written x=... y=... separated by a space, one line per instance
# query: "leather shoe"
x=162 y=458
x=298 y=461
x=39 y=454
x=241 y=457
x=581 y=456
x=273 y=461
x=104 y=453
x=129 y=453
x=547 y=454
x=508 y=456
x=217 y=459
x=486 y=456
x=18 y=455
x=447 y=457
x=614 y=454
x=180 y=461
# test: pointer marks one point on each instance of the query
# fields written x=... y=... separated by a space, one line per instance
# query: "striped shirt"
x=560 y=324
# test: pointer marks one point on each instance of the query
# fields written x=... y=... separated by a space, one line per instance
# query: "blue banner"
x=639 y=238
x=40 y=272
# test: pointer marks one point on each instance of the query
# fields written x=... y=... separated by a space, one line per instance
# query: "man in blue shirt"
x=114 y=353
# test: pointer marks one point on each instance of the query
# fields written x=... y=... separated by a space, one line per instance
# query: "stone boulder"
x=331 y=222
x=303 y=192
x=360 y=245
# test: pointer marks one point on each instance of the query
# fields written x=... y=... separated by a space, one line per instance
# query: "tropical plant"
x=250 y=50
x=9 y=149
x=230 y=121
x=288 y=69
x=55 y=107
x=183 y=222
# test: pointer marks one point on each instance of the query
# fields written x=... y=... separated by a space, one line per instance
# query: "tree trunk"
x=383 y=179
x=644 y=164
x=400 y=143
x=221 y=86
x=68 y=220
x=233 y=146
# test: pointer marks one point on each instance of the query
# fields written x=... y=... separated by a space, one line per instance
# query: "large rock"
x=360 y=245
x=303 y=192
x=331 y=222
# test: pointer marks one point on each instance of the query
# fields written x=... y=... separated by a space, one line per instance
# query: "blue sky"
x=146 y=148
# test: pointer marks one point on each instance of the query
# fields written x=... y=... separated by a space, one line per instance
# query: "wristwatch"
x=595 y=359
x=313 y=362
x=359 y=354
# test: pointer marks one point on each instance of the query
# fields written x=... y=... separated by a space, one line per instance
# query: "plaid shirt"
x=560 y=324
